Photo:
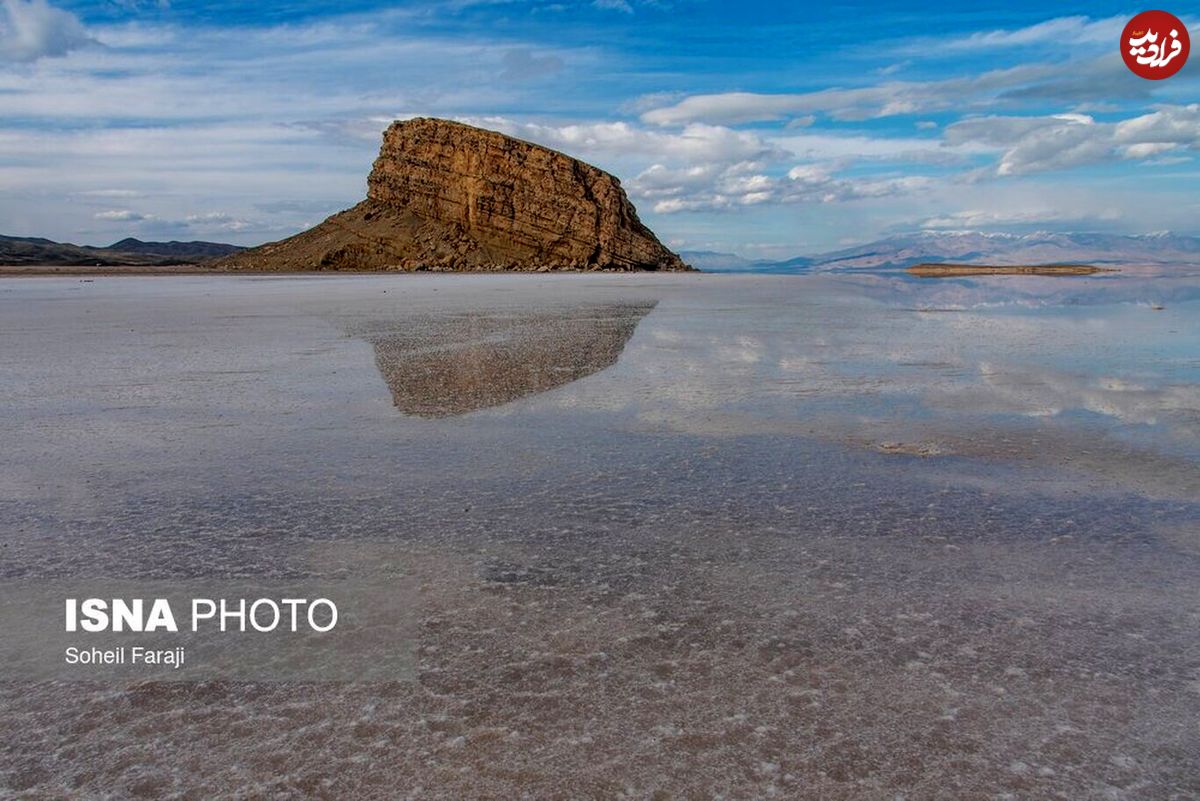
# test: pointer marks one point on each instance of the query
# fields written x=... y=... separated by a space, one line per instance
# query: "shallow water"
x=674 y=536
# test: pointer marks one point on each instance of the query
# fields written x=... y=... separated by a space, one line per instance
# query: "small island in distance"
x=931 y=270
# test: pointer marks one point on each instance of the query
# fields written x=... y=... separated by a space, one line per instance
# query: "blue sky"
x=765 y=129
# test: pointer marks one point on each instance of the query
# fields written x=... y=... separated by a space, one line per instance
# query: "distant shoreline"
x=931 y=270
x=112 y=270
x=925 y=270
x=75 y=270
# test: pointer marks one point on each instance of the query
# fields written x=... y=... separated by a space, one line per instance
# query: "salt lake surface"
x=679 y=536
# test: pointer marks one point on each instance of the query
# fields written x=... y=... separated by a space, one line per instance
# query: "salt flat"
x=689 y=535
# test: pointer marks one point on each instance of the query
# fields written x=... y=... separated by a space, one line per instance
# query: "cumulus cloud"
x=1171 y=124
x=218 y=221
x=813 y=182
x=1041 y=144
x=33 y=29
x=1061 y=141
x=713 y=187
x=713 y=167
x=1146 y=150
x=696 y=142
x=213 y=221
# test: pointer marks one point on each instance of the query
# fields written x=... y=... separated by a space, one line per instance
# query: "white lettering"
x=333 y=614
x=254 y=614
x=197 y=616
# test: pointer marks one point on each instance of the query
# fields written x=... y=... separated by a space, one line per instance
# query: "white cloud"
x=33 y=29
x=270 y=113
x=614 y=5
x=1040 y=144
x=1145 y=150
x=325 y=70
x=711 y=167
x=278 y=110
x=1061 y=31
x=881 y=100
x=119 y=215
x=712 y=187
x=694 y=143
x=1039 y=216
x=1096 y=80
x=1176 y=124
x=64 y=184
x=213 y=221
x=731 y=108
x=219 y=221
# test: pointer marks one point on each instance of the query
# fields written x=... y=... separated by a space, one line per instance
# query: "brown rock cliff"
x=448 y=196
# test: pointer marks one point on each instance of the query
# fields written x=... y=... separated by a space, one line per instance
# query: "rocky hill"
x=17 y=250
x=447 y=196
x=185 y=251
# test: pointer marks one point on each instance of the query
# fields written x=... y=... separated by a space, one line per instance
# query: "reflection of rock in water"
x=442 y=366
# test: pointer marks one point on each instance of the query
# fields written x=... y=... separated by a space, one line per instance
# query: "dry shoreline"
x=109 y=271
x=80 y=271
x=929 y=270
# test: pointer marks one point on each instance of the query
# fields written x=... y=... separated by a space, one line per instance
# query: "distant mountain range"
x=902 y=251
x=36 y=251
x=893 y=253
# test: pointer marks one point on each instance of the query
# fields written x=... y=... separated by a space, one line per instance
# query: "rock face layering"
x=447 y=196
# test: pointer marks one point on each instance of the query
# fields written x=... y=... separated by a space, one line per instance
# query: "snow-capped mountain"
x=974 y=247
x=1035 y=248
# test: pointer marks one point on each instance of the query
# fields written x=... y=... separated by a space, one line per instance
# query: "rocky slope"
x=448 y=196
